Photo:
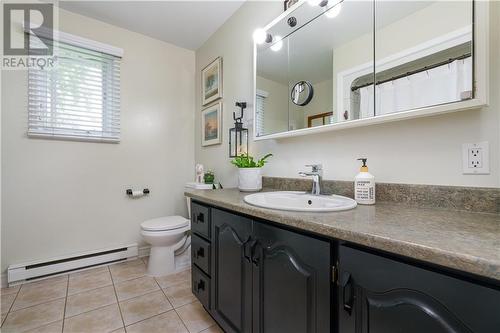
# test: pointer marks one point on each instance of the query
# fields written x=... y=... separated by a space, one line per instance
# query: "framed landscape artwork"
x=211 y=82
x=211 y=125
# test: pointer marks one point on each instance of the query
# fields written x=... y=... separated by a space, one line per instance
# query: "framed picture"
x=211 y=125
x=289 y=3
x=211 y=82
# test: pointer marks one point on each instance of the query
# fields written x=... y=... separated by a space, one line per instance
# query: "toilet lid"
x=165 y=223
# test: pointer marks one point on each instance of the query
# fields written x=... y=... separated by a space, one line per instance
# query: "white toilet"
x=166 y=235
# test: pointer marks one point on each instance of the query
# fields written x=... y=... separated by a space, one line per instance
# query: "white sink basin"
x=300 y=201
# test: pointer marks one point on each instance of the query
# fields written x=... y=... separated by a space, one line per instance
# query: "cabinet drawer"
x=200 y=253
x=201 y=286
x=200 y=220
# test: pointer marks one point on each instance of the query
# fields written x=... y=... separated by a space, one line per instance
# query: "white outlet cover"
x=483 y=158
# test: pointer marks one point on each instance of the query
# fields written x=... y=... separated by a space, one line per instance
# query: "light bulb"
x=334 y=12
x=278 y=44
x=314 y=2
x=259 y=36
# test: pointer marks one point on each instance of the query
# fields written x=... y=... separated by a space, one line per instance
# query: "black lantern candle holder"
x=238 y=135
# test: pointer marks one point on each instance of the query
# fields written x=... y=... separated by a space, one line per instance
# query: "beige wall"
x=62 y=197
x=322 y=101
x=423 y=151
x=276 y=105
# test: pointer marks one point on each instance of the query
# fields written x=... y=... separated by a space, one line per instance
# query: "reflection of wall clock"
x=302 y=93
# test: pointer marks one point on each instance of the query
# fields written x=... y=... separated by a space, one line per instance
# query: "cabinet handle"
x=347 y=292
x=247 y=249
x=200 y=285
x=200 y=218
x=200 y=253
x=256 y=253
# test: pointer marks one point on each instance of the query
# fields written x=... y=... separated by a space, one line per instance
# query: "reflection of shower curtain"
x=444 y=84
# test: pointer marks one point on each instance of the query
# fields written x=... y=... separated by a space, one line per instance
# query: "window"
x=79 y=98
x=260 y=101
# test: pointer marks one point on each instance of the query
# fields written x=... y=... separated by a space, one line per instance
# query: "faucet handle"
x=315 y=167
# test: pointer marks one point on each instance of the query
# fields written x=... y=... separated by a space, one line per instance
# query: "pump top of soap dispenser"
x=363 y=168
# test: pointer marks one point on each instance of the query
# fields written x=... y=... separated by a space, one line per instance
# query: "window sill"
x=50 y=136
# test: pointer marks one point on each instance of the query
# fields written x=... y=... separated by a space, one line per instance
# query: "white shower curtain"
x=444 y=84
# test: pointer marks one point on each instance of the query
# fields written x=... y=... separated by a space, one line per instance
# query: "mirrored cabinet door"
x=422 y=59
x=271 y=109
x=329 y=63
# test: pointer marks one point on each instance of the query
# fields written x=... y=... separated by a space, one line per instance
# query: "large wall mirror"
x=334 y=63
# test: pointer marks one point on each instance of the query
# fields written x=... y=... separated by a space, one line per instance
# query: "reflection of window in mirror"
x=320 y=119
x=260 y=100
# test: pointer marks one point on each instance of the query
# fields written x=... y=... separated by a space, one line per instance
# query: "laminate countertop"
x=464 y=241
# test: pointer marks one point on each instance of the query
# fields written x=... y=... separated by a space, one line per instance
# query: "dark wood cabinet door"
x=382 y=295
x=291 y=282
x=231 y=271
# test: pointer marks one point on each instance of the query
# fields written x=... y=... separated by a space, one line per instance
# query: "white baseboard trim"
x=43 y=269
x=144 y=251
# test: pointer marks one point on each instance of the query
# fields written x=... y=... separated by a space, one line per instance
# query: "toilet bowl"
x=165 y=235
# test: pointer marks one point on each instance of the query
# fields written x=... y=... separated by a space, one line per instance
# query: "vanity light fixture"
x=315 y=2
x=260 y=36
x=335 y=11
x=238 y=135
x=278 y=44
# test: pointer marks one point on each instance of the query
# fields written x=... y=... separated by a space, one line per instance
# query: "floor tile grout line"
x=182 y=321
x=112 y=282
x=10 y=307
x=163 y=292
x=65 y=303
x=173 y=308
x=32 y=306
x=117 y=301
x=133 y=298
x=90 y=290
x=156 y=315
x=85 y=312
x=44 y=325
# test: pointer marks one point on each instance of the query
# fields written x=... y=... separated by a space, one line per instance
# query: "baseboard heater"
x=41 y=269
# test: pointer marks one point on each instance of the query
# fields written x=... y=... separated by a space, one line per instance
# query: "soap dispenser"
x=364 y=185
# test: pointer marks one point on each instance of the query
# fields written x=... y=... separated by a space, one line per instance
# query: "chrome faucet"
x=317 y=176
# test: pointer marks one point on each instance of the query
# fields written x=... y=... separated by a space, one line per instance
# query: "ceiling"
x=187 y=24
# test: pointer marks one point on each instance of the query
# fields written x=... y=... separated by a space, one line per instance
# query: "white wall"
x=61 y=197
x=421 y=151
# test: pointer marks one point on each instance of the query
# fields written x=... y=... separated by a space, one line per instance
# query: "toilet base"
x=161 y=261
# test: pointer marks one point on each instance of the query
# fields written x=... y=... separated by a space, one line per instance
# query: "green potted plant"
x=209 y=177
x=249 y=172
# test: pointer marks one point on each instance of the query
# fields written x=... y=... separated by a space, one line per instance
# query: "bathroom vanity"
x=385 y=268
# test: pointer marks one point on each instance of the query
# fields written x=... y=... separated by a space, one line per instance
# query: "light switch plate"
x=476 y=158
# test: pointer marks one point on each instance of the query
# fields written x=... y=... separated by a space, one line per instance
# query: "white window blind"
x=79 y=98
x=260 y=101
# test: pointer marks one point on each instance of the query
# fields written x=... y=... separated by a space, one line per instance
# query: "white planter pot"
x=249 y=179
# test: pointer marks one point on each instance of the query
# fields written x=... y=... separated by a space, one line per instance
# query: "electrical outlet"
x=475 y=158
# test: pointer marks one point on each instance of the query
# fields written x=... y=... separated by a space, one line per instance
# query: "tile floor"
x=115 y=298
